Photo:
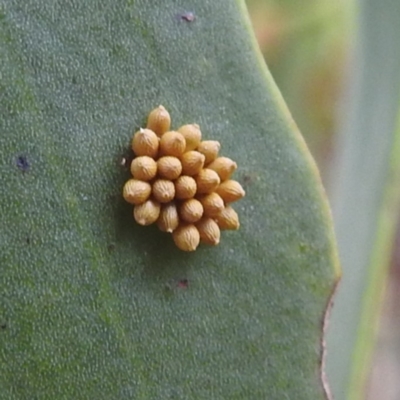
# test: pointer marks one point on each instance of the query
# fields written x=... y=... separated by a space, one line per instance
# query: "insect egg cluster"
x=181 y=183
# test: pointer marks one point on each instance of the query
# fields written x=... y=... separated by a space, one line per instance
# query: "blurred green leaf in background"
x=366 y=193
x=305 y=44
x=357 y=146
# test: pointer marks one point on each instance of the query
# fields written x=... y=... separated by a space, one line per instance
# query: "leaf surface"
x=94 y=306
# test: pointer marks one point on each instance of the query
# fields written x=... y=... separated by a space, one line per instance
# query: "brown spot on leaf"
x=183 y=284
x=188 y=16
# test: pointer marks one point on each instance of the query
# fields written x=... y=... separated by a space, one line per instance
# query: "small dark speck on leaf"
x=188 y=16
x=28 y=240
x=111 y=247
x=22 y=163
x=3 y=326
x=247 y=179
x=183 y=284
x=173 y=284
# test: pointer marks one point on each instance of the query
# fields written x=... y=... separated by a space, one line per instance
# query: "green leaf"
x=366 y=195
x=91 y=304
